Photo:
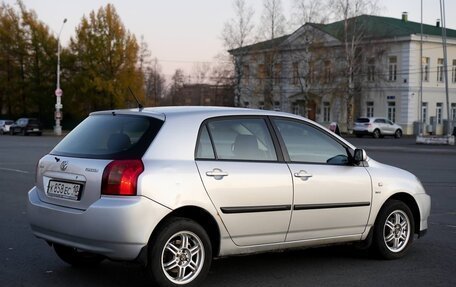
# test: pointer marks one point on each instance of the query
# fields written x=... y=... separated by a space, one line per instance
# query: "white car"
x=5 y=126
x=173 y=187
x=376 y=127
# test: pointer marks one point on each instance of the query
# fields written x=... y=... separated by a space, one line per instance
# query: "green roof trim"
x=377 y=27
x=373 y=28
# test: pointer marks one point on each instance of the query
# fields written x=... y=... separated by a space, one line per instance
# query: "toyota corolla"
x=174 y=187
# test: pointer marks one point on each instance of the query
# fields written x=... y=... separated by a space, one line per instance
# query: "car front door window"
x=309 y=145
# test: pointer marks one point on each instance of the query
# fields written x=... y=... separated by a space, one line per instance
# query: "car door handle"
x=303 y=175
x=217 y=173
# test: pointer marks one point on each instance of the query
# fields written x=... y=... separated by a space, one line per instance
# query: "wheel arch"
x=202 y=217
x=411 y=203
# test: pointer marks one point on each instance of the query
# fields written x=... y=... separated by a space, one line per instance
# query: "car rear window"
x=109 y=136
x=362 y=120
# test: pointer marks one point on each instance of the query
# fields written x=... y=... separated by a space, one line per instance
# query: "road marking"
x=14 y=170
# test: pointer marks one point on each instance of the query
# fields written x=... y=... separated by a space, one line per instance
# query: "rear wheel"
x=76 y=257
x=398 y=134
x=394 y=230
x=377 y=134
x=180 y=254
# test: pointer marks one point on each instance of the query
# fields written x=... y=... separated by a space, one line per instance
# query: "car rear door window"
x=204 y=149
x=242 y=139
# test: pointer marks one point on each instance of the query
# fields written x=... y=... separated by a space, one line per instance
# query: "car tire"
x=180 y=253
x=377 y=134
x=1 y=132
x=393 y=230
x=76 y=257
x=359 y=135
x=398 y=134
x=23 y=132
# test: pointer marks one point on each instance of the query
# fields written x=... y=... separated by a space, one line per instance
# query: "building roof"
x=372 y=27
x=377 y=27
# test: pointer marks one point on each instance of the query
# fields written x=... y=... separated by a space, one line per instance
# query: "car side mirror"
x=360 y=155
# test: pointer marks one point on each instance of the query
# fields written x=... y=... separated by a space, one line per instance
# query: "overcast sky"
x=182 y=32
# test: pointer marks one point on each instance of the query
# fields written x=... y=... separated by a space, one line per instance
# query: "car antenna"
x=140 y=107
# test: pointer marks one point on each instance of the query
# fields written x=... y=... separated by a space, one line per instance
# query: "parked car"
x=26 y=126
x=376 y=127
x=174 y=187
x=5 y=126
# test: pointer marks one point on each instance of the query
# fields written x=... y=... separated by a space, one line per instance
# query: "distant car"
x=26 y=126
x=376 y=127
x=5 y=126
x=173 y=187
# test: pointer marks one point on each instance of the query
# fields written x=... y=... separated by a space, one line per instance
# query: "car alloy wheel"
x=180 y=253
x=398 y=134
x=182 y=258
x=393 y=230
x=396 y=231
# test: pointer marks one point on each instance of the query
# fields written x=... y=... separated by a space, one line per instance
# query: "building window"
x=261 y=105
x=392 y=68
x=425 y=61
x=261 y=73
x=440 y=70
x=370 y=109
x=453 y=111
x=371 y=70
x=276 y=106
x=438 y=113
x=424 y=112
x=453 y=75
x=295 y=73
x=326 y=112
x=246 y=73
x=277 y=73
x=327 y=71
x=392 y=111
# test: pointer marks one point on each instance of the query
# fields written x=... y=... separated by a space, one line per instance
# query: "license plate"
x=64 y=190
x=35 y=130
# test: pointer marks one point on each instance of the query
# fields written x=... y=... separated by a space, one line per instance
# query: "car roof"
x=197 y=112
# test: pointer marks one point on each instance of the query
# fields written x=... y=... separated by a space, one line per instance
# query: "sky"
x=181 y=33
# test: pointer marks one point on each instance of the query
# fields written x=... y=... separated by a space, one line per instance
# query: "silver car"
x=376 y=127
x=173 y=187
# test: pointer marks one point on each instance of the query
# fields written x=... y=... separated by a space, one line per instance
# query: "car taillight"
x=120 y=177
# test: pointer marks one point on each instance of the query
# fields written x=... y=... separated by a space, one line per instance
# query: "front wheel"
x=394 y=230
x=398 y=134
x=180 y=254
x=376 y=134
x=76 y=257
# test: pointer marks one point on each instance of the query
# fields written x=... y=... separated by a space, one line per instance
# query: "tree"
x=238 y=33
x=272 y=26
x=308 y=11
x=177 y=83
x=200 y=72
x=155 y=83
x=41 y=62
x=106 y=60
x=353 y=37
x=273 y=21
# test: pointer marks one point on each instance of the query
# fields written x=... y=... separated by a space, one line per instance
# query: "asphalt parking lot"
x=27 y=261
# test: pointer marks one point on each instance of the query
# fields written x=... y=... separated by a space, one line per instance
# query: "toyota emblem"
x=64 y=165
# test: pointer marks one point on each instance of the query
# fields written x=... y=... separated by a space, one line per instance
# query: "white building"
x=306 y=72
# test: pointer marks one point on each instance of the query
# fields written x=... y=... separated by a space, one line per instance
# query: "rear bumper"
x=116 y=227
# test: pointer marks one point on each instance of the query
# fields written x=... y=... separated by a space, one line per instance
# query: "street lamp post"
x=58 y=90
